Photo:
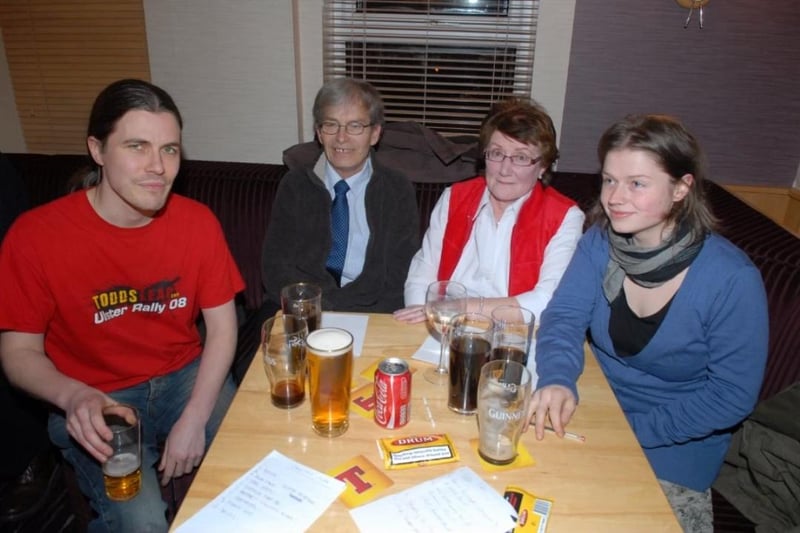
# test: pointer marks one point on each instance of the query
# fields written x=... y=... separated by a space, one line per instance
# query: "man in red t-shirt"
x=99 y=296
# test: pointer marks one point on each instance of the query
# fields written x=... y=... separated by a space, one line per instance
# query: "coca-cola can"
x=392 y=393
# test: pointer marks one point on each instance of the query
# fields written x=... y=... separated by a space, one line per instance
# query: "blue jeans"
x=160 y=402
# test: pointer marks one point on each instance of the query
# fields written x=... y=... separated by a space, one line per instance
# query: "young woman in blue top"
x=676 y=314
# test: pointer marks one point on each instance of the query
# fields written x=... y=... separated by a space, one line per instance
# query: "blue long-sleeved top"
x=698 y=376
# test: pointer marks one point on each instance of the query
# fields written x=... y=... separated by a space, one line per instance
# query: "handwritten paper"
x=354 y=323
x=458 y=501
x=277 y=494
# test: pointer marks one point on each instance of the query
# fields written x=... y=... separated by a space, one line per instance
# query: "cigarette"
x=567 y=434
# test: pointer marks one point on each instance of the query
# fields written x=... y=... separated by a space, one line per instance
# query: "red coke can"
x=392 y=393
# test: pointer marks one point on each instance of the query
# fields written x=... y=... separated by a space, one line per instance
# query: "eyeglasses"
x=518 y=160
x=330 y=127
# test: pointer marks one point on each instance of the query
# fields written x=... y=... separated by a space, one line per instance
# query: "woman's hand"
x=555 y=402
x=411 y=315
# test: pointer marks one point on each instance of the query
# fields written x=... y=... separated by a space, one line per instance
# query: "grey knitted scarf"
x=648 y=267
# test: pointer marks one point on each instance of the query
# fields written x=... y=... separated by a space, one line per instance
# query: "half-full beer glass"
x=504 y=392
x=122 y=472
x=329 y=355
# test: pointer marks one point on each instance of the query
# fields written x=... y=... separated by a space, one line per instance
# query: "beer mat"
x=369 y=372
x=364 y=480
x=354 y=323
x=523 y=459
x=417 y=450
x=532 y=512
x=362 y=401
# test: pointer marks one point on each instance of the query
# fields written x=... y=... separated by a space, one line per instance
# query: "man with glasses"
x=340 y=220
x=507 y=237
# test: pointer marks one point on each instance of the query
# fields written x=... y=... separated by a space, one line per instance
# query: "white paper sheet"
x=459 y=501
x=277 y=494
x=429 y=351
x=355 y=324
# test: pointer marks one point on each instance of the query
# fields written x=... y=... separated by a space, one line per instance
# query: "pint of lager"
x=122 y=472
x=329 y=355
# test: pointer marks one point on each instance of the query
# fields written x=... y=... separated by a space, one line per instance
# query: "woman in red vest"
x=507 y=237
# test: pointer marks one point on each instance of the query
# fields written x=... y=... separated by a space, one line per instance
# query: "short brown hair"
x=527 y=122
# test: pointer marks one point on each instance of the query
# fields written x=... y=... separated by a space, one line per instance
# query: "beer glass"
x=513 y=331
x=470 y=348
x=329 y=353
x=283 y=345
x=303 y=300
x=504 y=393
x=122 y=472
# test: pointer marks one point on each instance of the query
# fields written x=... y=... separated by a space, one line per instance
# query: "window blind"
x=61 y=53
x=438 y=62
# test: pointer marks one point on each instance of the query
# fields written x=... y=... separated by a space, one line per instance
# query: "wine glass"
x=443 y=301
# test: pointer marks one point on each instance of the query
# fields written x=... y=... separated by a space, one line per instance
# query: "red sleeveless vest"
x=538 y=220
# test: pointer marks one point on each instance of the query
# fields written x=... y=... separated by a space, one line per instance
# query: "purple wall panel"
x=735 y=83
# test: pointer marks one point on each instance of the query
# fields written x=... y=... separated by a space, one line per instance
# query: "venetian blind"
x=438 y=62
x=61 y=53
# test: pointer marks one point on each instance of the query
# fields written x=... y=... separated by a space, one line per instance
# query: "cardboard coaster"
x=523 y=459
x=362 y=401
x=364 y=480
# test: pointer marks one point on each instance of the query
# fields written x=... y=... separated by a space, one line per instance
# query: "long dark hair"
x=116 y=100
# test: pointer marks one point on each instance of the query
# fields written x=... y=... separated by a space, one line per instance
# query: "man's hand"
x=412 y=315
x=84 y=416
x=184 y=448
x=555 y=402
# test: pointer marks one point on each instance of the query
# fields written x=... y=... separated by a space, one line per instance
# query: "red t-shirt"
x=117 y=306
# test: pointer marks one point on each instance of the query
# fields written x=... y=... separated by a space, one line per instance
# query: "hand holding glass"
x=443 y=301
x=122 y=472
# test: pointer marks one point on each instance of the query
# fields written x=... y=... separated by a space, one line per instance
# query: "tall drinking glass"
x=443 y=301
x=329 y=353
x=470 y=348
x=513 y=333
x=283 y=341
x=504 y=393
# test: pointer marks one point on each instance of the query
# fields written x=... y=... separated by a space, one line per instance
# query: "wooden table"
x=604 y=484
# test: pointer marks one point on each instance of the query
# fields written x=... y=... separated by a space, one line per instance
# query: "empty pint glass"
x=283 y=342
x=329 y=354
x=504 y=394
x=303 y=300
x=122 y=472
x=470 y=348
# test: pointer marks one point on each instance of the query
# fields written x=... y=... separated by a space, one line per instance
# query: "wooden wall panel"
x=61 y=53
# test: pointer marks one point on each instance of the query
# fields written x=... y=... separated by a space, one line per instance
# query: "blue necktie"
x=340 y=228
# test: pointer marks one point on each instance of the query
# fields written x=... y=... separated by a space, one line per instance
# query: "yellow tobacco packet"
x=533 y=512
x=416 y=450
